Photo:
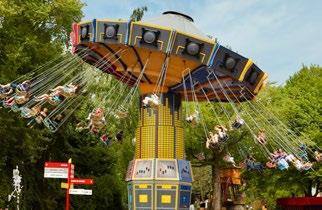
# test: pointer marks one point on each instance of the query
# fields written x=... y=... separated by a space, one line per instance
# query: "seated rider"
x=229 y=159
x=300 y=166
x=222 y=132
x=105 y=139
x=119 y=136
x=212 y=140
x=282 y=153
x=120 y=114
x=261 y=137
x=39 y=118
x=307 y=166
x=302 y=152
x=318 y=156
x=151 y=101
x=282 y=164
x=133 y=141
x=280 y=158
x=97 y=120
x=18 y=98
x=22 y=87
x=5 y=91
x=53 y=98
x=238 y=123
x=251 y=164
x=193 y=118
x=278 y=154
x=271 y=163
x=290 y=158
x=275 y=155
x=29 y=113
x=57 y=119
x=67 y=90
x=81 y=126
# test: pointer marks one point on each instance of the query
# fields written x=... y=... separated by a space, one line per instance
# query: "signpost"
x=57 y=170
x=80 y=192
x=65 y=185
x=81 y=181
x=66 y=171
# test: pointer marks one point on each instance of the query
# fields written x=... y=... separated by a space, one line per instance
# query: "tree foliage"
x=138 y=13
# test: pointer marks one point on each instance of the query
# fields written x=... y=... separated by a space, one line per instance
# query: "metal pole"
x=68 y=184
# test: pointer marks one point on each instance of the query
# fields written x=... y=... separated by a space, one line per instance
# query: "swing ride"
x=168 y=61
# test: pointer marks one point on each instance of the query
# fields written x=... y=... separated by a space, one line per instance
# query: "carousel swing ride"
x=168 y=61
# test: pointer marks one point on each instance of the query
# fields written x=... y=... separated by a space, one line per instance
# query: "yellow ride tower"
x=159 y=177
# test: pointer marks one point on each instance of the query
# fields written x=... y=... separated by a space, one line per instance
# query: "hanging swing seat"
x=15 y=108
x=26 y=112
x=50 y=125
x=121 y=114
x=252 y=165
x=237 y=124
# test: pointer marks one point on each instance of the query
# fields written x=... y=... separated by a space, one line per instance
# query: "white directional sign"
x=56 y=173
x=80 y=192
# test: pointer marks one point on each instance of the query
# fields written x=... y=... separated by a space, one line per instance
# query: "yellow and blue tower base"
x=159 y=177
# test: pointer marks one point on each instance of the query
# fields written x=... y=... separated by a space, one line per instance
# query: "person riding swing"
x=54 y=98
x=39 y=118
x=96 y=121
x=8 y=89
x=222 y=133
x=229 y=159
x=238 y=123
x=261 y=137
x=67 y=90
x=212 y=140
x=193 y=118
x=59 y=94
x=151 y=101
x=18 y=99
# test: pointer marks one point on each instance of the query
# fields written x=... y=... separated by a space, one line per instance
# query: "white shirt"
x=192 y=207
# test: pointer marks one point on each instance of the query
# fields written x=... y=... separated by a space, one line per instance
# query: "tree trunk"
x=216 y=195
x=308 y=191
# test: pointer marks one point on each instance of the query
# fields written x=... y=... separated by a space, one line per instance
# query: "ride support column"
x=159 y=177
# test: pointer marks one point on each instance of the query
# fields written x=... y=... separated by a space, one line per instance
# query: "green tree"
x=31 y=33
x=138 y=13
x=305 y=90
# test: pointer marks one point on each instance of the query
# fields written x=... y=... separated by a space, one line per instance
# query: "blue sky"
x=279 y=35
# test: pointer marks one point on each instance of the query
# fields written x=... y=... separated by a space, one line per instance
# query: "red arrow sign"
x=56 y=165
x=81 y=181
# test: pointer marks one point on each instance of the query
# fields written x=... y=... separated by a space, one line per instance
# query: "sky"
x=278 y=35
